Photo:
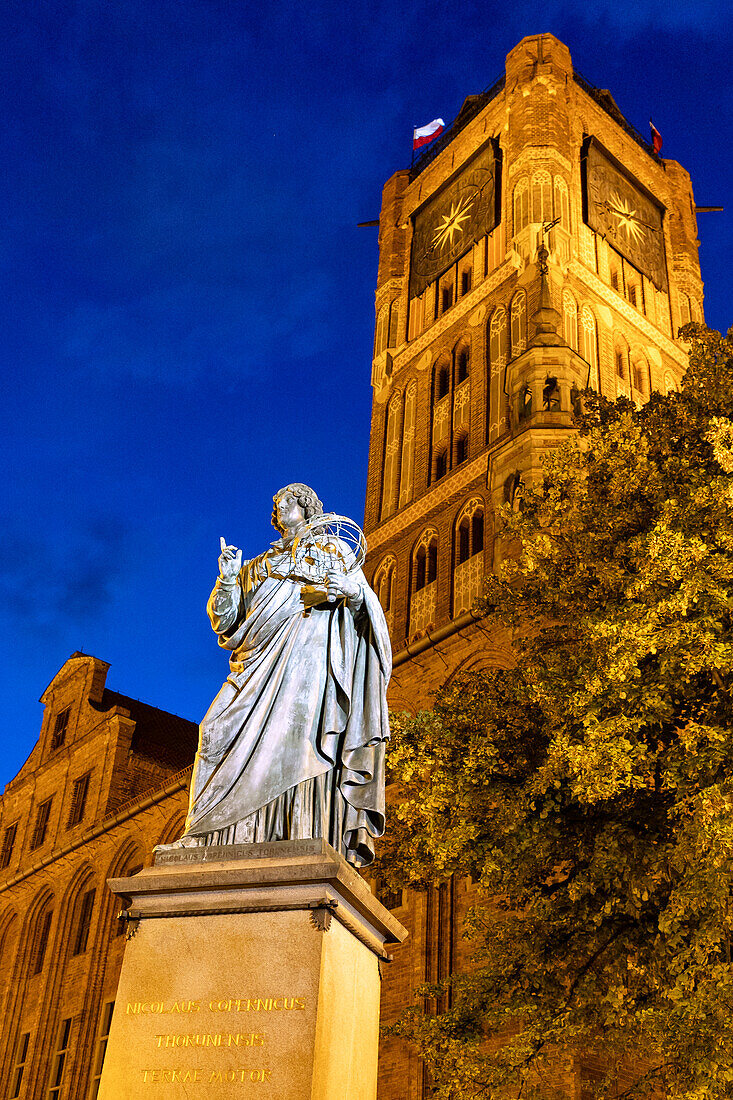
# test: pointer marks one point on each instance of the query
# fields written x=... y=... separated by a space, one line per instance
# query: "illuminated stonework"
x=623 y=275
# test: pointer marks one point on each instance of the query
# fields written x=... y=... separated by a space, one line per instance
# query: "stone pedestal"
x=251 y=970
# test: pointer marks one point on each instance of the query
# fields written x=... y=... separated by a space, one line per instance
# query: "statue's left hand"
x=339 y=584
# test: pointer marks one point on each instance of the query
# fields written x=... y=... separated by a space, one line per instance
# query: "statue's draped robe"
x=293 y=745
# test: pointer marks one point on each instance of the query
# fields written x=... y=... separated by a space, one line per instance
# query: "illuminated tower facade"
x=537 y=247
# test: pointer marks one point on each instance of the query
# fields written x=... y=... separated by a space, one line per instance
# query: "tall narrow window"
x=384 y=583
x=570 y=319
x=463 y=358
x=621 y=362
x=461 y=449
x=468 y=574
x=407 y=466
x=40 y=940
x=442 y=381
x=589 y=342
x=60 y=727
x=615 y=278
x=498 y=341
x=521 y=205
x=519 y=322
x=441 y=418
x=465 y=280
x=640 y=375
x=392 y=448
x=541 y=197
x=21 y=1056
x=477 y=531
x=6 y=853
x=105 y=1023
x=425 y=566
x=78 y=800
x=59 y=1061
x=39 y=831
x=562 y=203
x=83 y=923
x=685 y=313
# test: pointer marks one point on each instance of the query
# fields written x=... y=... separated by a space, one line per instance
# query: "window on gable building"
x=78 y=800
x=60 y=727
x=59 y=1061
x=40 y=940
x=39 y=830
x=6 y=853
x=21 y=1056
x=83 y=923
x=105 y=1023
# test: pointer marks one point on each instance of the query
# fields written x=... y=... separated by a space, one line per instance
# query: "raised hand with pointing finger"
x=230 y=561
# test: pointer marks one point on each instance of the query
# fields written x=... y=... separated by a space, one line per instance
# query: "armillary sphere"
x=327 y=543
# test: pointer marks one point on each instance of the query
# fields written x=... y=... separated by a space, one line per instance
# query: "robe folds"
x=293 y=745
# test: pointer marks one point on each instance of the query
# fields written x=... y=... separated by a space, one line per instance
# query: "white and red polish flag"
x=423 y=134
x=656 y=137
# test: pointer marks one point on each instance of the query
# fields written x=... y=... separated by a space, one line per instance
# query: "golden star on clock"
x=451 y=224
x=626 y=217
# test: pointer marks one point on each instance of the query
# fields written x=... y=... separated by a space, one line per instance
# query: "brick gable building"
x=478 y=358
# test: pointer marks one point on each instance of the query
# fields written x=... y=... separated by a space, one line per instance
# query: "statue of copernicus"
x=293 y=745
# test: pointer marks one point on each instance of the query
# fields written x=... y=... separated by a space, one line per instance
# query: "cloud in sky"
x=46 y=588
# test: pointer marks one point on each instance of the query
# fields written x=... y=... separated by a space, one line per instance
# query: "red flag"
x=656 y=137
x=423 y=134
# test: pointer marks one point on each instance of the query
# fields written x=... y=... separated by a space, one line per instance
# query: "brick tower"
x=537 y=247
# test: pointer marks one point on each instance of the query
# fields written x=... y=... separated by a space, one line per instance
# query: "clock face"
x=622 y=212
x=451 y=221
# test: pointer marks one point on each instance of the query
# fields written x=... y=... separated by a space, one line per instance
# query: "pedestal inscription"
x=251 y=976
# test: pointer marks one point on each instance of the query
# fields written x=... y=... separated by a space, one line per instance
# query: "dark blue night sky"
x=187 y=304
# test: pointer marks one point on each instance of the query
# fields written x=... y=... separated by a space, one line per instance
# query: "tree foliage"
x=589 y=788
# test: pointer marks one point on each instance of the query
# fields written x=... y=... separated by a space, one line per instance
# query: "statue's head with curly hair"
x=307 y=499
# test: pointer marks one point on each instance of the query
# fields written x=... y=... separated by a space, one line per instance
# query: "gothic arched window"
x=383 y=584
x=468 y=573
x=498 y=341
x=621 y=363
x=640 y=375
x=40 y=936
x=441 y=415
x=463 y=363
x=423 y=597
x=425 y=560
x=407 y=467
x=442 y=380
x=589 y=342
x=392 y=447
x=519 y=322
